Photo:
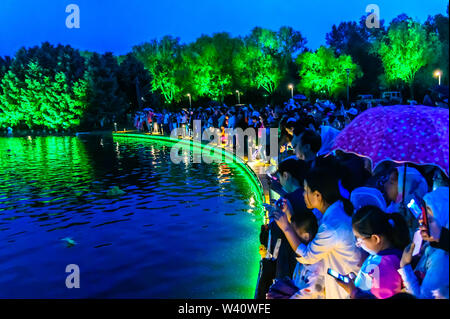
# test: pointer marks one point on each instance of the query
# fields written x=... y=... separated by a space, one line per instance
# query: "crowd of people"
x=335 y=228
x=242 y=116
x=338 y=229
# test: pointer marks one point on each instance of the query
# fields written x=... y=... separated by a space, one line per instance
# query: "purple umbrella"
x=401 y=133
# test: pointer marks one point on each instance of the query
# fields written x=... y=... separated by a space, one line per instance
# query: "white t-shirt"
x=310 y=281
x=335 y=245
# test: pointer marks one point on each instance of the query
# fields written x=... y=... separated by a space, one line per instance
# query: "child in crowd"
x=383 y=236
x=308 y=278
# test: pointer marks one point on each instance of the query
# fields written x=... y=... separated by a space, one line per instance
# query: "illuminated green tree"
x=5 y=63
x=41 y=101
x=210 y=64
x=355 y=39
x=322 y=72
x=405 y=49
x=267 y=57
x=258 y=69
x=10 y=98
x=163 y=60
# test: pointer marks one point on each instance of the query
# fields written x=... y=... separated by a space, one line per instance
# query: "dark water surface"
x=180 y=230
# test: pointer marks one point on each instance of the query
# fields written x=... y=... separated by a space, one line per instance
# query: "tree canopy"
x=405 y=49
x=325 y=74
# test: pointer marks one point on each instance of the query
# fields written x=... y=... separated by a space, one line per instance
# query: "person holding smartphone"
x=434 y=232
x=291 y=174
x=334 y=243
x=383 y=236
x=431 y=274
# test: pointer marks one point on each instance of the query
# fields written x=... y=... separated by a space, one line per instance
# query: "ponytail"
x=348 y=206
x=400 y=231
x=345 y=199
x=371 y=220
x=325 y=179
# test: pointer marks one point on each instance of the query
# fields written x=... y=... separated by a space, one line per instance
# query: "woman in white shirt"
x=334 y=243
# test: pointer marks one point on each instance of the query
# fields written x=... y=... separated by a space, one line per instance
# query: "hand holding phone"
x=417 y=240
x=424 y=221
x=272 y=178
x=418 y=208
x=338 y=276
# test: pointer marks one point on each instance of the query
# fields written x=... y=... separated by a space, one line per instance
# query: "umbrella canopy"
x=400 y=133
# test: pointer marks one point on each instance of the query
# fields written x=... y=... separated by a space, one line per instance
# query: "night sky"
x=117 y=25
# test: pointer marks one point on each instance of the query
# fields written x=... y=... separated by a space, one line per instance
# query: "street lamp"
x=348 y=92
x=239 y=96
x=291 y=87
x=438 y=74
x=190 y=102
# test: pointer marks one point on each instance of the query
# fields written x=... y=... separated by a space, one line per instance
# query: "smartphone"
x=338 y=276
x=425 y=220
x=272 y=177
x=417 y=207
x=417 y=240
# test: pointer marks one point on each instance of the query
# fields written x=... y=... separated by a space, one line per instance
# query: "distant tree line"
x=63 y=88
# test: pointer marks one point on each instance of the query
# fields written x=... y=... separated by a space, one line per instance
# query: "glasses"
x=359 y=240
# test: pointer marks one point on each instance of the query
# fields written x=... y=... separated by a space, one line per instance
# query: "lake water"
x=180 y=230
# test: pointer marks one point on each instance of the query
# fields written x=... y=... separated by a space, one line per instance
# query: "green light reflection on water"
x=251 y=244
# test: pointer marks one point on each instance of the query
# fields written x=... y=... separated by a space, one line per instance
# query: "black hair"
x=299 y=128
x=306 y=220
x=371 y=220
x=355 y=174
x=311 y=138
x=297 y=168
x=402 y=295
x=380 y=178
x=324 y=177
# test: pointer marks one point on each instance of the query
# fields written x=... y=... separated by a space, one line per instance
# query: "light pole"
x=348 y=92
x=438 y=74
x=239 y=96
x=190 y=102
x=291 y=87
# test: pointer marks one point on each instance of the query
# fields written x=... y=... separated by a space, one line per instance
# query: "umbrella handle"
x=404 y=185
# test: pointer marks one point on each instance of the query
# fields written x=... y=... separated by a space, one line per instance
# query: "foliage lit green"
x=323 y=73
x=163 y=60
x=405 y=49
x=59 y=87
x=41 y=101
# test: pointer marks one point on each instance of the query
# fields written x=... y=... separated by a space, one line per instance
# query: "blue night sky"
x=117 y=25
